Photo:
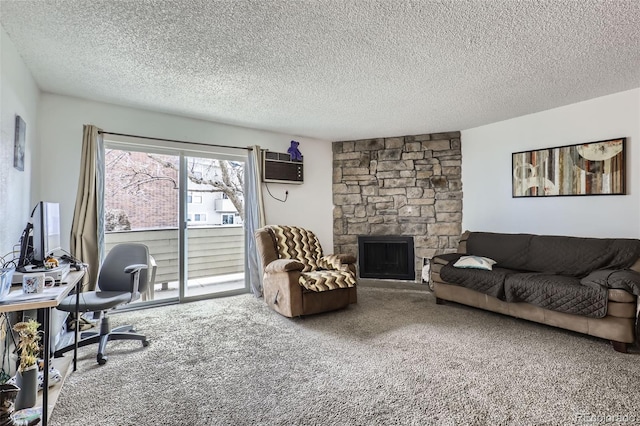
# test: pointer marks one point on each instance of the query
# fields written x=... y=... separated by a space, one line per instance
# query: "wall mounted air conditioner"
x=277 y=167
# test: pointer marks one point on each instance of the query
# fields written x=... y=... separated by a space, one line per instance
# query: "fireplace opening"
x=386 y=257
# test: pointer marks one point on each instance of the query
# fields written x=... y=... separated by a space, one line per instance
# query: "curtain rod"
x=174 y=140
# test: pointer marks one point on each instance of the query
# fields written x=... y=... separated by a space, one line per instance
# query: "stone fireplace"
x=406 y=186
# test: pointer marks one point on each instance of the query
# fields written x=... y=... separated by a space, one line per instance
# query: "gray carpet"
x=395 y=358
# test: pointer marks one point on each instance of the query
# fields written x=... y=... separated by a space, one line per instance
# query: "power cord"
x=3 y=262
x=13 y=260
x=69 y=256
x=286 y=195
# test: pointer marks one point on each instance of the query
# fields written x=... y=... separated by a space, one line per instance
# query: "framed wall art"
x=19 y=143
x=594 y=168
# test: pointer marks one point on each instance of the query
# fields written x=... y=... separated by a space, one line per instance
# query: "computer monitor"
x=46 y=230
x=41 y=236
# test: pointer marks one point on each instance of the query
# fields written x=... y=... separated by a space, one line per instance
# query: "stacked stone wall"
x=408 y=185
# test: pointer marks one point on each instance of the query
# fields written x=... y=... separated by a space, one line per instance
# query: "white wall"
x=19 y=95
x=486 y=171
x=61 y=120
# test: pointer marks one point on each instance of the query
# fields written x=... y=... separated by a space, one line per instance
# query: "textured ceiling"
x=332 y=69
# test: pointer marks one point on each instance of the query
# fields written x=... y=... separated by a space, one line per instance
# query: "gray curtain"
x=254 y=220
x=87 y=229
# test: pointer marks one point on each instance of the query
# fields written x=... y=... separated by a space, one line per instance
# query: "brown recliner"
x=297 y=278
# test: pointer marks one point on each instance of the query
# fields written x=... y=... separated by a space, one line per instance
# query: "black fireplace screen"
x=390 y=257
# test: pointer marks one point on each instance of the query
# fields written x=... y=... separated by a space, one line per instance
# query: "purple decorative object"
x=294 y=152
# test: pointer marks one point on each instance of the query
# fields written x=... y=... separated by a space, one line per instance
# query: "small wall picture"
x=19 y=143
x=594 y=168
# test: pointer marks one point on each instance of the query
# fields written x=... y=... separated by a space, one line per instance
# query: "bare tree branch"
x=230 y=182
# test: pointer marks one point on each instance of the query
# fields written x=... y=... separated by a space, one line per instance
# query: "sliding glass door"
x=187 y=209
x=214 y=233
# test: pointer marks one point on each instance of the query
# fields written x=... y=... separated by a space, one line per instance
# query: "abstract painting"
x=19 y=143
x=594 y=168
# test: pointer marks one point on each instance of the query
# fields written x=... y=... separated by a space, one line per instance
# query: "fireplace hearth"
x=386 y=257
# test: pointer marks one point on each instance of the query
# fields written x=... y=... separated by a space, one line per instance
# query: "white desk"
x=50 y=298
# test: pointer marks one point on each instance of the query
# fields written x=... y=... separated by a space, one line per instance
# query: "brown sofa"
x=297 y=278
x=587 y=285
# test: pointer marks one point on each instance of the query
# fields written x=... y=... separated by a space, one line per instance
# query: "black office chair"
x=122 y=278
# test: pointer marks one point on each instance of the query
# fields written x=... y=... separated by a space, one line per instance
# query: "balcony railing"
x=212 y=251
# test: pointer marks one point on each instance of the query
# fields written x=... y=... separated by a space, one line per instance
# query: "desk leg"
x=75 y=341
x=46 y=326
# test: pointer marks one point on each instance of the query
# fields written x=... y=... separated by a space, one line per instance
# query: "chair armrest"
x=154 y=267
x=284 y=265
x=134 y=270
x=446 y=258
x=346 y=258
x=336 y=261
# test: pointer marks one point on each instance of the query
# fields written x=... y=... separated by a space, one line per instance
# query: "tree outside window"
x=141 y=189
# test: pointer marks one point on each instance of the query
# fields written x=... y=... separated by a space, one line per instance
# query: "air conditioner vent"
x=277 y=167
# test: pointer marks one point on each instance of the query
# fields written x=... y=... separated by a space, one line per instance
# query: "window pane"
x=141 y=190
x=141 y=206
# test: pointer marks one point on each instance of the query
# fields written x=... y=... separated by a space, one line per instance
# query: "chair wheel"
x=102 y=360
x=145 y=343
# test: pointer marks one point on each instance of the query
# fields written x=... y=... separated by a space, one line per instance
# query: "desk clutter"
x=19 y=394
x=6 y=277
x=44 y=304
x=36 y=279
x=58 y=273
x=54 y=375
x=28 y=416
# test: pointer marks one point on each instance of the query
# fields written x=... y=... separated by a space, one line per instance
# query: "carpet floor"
x=395 y=358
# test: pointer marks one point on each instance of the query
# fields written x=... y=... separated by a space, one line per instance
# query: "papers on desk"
x=18 y=296
x=23 y=417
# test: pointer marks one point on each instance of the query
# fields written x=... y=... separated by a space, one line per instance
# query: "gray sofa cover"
x=568 y=282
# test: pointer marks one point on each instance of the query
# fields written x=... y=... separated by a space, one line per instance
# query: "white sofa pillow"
x=475 y=262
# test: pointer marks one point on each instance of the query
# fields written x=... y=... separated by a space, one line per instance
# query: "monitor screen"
x=46 y=230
